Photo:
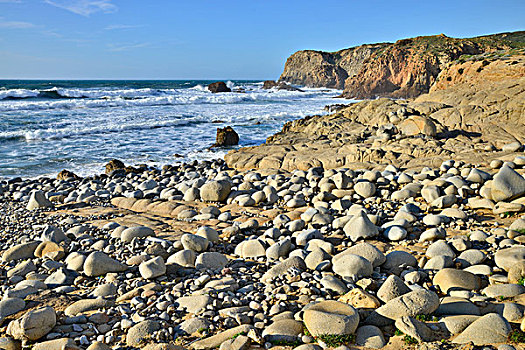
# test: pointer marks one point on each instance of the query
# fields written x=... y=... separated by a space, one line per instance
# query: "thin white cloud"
x=84 y=7
x=126 y=47
x=16 y=25
x=123 y=26
x=52 y=33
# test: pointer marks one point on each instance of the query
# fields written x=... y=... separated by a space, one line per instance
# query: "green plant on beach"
x=521 y=281
x=517 y=336
x=398 y=333
x=410 y=340
x=293 y=344
x=335 y=340
x=238 y=334
x=428 y=318
x=306 y=331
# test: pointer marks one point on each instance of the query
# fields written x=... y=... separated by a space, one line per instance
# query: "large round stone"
x=33 y=325
x=370 y=337
x=215 y=191
x=457 y=306
x=489 y=329
x=353 y=266
x=152 y=268
x=417 y=302
x=136 y=232
x=286 y=330
x=211 y=260
x=369 y=252
x=330 y=317
x=251 y=248
x=20 y=251
x=365 y=189
x=10 y=306
x=141 y=332
x=504 y=290
x=507 y=258
x=85 y=305
x=185 y=258
x=440 y=248
x=448 y=279
x=360 y=226
x=98 y=264
x=398 y=260
x=392 y=288
x=194 y=242
x=38 y=200
x=517 y=272
x=507 y=185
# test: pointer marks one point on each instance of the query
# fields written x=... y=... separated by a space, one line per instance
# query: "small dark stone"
x=113 y=165
x=14 y=180
x=66 y=174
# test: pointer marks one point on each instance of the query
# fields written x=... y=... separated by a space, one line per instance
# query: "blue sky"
x=210 y=39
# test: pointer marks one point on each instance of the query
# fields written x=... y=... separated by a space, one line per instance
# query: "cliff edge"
x=404 y=69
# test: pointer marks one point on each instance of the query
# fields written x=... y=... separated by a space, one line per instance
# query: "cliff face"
x=482 y=71
x=326 y=69
x=407 y=68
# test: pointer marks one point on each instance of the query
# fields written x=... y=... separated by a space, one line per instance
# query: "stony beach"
x=201 y=256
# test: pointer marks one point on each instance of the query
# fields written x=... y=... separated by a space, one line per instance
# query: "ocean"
x=47 y=126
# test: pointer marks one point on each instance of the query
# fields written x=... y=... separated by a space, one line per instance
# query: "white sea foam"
x=127 y=98
x=18 y=93
x=75 y=130
x=81 y=128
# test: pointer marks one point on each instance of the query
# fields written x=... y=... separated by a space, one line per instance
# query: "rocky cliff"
x=326 y=69
x=404 y=69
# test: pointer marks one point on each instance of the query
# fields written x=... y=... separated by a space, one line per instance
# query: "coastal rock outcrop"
x=226 y=137
x=66 y=174
x=113 y=165
x=219 y=86
x=475 y=120
x=326 y=69
x=270 y=84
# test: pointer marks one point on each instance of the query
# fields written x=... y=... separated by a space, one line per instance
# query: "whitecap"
x=18 y=93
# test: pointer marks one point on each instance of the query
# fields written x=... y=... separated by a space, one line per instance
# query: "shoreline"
x=39 y=141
